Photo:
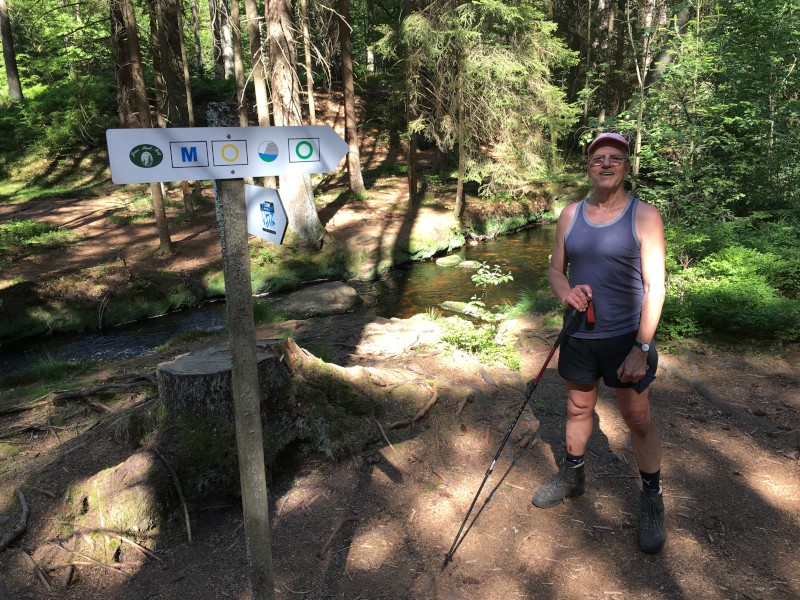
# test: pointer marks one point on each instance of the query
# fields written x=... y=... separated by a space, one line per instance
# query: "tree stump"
x=200 y=382
x=307 y=405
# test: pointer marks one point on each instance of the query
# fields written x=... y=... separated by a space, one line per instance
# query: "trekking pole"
x=571 y=322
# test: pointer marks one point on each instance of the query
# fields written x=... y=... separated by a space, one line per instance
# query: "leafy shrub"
x=22 y=232
x=729 y=292
x=479 y=341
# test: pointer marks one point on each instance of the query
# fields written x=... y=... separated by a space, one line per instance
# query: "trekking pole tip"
x=448 y=558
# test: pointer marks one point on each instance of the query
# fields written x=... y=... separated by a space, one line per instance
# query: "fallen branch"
x=422 y=412
x=21 y=525
x=386 y=439
x=23 y=407
x=79 y=393
x=336 y=529
x=178 y=487
x=131 y=378
x=109 y=532
x=463 y=403
x=22 y=429
x=91 y=560
x=99 y=407
x=37 y=570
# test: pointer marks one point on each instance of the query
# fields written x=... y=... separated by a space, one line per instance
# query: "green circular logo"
x=304 y=150
x=146 y=156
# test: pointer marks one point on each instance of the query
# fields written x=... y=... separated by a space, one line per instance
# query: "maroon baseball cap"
x=608 y=138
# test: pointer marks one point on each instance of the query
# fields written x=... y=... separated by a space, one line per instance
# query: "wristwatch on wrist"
x=641 y=346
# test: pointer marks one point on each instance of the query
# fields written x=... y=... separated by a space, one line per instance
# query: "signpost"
x=200 y=153
x=227 y=154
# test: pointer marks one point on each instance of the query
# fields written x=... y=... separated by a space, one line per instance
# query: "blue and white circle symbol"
x=268 y=151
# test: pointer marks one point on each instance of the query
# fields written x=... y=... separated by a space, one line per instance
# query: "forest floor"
x=378 y=525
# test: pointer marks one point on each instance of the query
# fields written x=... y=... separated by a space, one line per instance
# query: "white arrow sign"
x=199 y=153
x=266 y=217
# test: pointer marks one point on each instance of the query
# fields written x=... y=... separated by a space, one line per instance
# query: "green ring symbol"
x=300 y=154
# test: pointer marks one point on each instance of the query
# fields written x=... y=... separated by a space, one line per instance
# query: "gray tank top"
x=608 y=258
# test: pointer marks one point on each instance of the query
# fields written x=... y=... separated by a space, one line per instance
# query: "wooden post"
x=232 y=217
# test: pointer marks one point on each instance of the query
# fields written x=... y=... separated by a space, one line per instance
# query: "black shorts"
x=585 y=361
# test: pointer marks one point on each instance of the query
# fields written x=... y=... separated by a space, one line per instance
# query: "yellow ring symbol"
x=224 y=151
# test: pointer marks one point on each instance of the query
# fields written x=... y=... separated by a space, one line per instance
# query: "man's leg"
x=635 y=409
x=570 y=480
x=581 y=400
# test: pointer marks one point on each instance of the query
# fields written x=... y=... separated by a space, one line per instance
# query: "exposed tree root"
x=21 y=525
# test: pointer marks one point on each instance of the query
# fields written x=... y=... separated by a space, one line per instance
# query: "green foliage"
x=477 y=76
x=57 y=118
x=721 y=128
x=44 y=370
x=264 y=312
x=487 y=276
x=23 y=232
x=539 y=300
x=479 y=341
x=21 y=237
x=727 y=279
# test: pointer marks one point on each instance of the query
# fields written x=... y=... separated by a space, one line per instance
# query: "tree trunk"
x=160 y=87
x=126 y=31
x=351 y=130
x=411 y=155
x=296 y=191
x=312 y=110
x=198 y=48
x=215 y=17
x=126 y=92
x=462 y=161
x=258 y=62
x=238 y=64
x=9 y=55
x=188 y=195
x=177 y=111
x=223 y=41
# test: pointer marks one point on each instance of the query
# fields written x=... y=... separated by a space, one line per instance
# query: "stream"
x=404 y=292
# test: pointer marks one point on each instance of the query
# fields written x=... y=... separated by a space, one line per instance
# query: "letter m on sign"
x=189 y=154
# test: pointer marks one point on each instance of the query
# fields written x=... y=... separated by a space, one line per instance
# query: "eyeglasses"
x=615 y=160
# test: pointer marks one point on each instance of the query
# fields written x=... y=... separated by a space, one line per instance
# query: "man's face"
x=608 y=166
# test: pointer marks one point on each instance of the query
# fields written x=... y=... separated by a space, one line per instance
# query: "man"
x=609 y=251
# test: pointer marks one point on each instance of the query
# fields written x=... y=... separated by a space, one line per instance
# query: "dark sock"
x=573 y=460
x=651 y=481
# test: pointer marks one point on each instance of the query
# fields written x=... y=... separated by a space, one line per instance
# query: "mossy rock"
x=469 y=264
x=132 y=498
x=449 y=261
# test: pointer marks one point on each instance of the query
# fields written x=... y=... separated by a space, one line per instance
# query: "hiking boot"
x=570 y=481
x=653 y=528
